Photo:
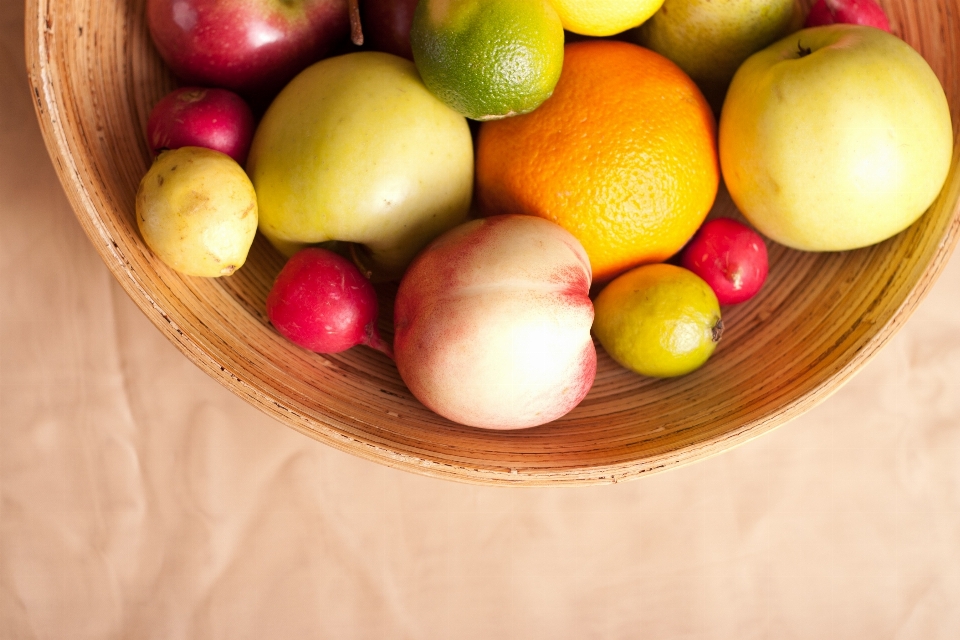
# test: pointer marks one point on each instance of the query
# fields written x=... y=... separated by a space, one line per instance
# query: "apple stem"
x=356 y=31
x=359 y=262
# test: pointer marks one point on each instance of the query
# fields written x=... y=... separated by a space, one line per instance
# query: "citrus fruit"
x=604 y=17
x=623 y=156
x=658 y=320
x=488 y=59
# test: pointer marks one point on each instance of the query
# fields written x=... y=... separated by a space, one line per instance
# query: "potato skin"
x=197 y=211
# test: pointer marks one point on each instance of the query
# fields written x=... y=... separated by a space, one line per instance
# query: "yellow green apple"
x=356 y=149
x=709 y=39
x=835 y=138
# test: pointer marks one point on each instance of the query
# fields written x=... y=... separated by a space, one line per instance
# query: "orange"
x=623 y=156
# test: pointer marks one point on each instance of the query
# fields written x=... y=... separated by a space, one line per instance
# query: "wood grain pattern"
x=95 y=76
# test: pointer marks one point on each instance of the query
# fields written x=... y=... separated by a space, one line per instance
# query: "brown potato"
x=197 y=210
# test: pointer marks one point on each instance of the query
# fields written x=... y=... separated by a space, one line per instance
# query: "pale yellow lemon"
x=658 y=320
x=604 y=17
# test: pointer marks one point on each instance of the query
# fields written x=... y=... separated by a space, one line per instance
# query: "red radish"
x=730 y=257
x=865 y=12
x=192 y=117
x=321 y=302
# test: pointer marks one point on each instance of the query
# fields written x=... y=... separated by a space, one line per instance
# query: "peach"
x=493 y=323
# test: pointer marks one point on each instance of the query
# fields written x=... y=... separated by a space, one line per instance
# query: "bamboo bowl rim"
x=93 y=115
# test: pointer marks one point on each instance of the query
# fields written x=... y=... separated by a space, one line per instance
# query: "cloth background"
x=139 y=499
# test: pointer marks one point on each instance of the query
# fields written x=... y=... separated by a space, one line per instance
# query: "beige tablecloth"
x=139 y=499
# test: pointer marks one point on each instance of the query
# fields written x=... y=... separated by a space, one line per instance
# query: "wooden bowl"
x=95 y=77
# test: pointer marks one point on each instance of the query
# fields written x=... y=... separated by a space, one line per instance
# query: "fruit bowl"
x=821 y=316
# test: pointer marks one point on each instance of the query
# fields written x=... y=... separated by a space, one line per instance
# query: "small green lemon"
x=488 y=59
x=658 y=320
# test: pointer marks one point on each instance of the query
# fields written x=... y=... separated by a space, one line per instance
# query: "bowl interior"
x=820 y=317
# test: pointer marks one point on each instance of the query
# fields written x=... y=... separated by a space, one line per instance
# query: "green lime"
x=488 y=59
x=658 y=320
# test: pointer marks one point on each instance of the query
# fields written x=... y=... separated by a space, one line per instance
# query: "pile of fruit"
x=574 y=207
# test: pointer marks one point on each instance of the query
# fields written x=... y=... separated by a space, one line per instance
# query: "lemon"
x=604 y=17
x=488 y=59
x=658 y=320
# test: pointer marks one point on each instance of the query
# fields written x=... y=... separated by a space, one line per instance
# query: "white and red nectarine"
x=493 y=323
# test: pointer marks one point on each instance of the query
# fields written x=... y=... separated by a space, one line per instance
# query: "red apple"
x=493 y=322
x=386 y=25
x=250 y=46
x=193 y=117
x=865 y=12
